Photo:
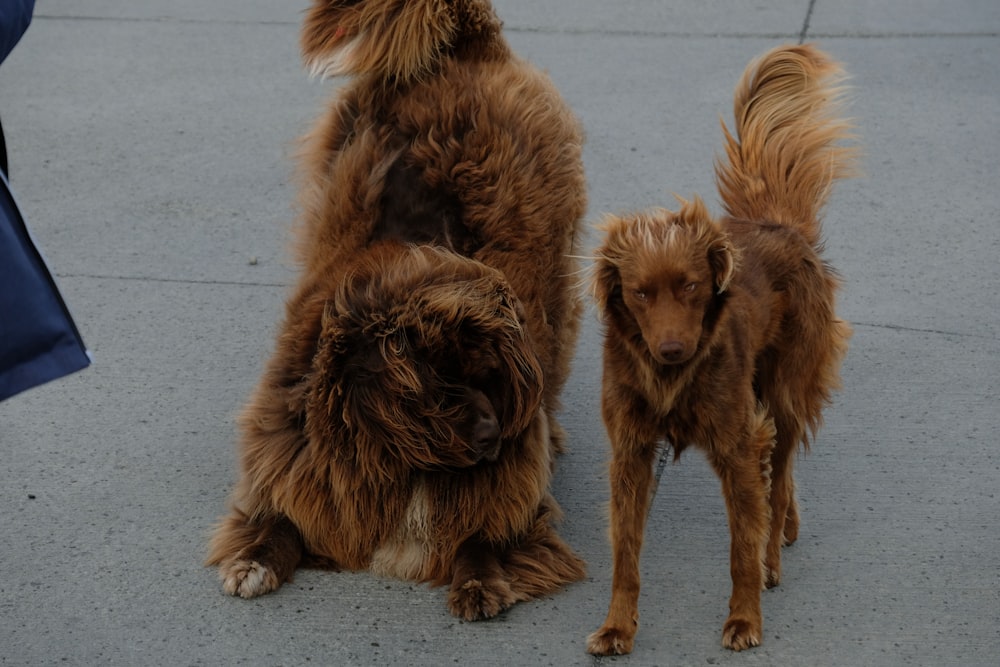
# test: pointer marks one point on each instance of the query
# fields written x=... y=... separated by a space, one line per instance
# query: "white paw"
x=247 y=579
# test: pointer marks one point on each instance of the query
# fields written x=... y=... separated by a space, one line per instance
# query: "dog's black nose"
x=487 y=438
x=487 y=432
x=671 y=350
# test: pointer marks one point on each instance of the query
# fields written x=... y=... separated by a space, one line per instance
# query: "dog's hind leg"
x=489 y=578
x=745 y=478
x=557 y=437
x=255 y=556
x=784 y=508
x=631 y=476
x=791 y=531
x=540 y=561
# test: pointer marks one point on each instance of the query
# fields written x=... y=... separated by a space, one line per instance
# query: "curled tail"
x=394 y=39
x=784 y=158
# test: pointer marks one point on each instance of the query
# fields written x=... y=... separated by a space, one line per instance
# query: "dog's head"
x=658 y=275
x=392 y=38
x=423 y=361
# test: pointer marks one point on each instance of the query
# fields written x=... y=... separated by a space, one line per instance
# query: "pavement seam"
x=805 y=24
x=939 y=332
x=151 y=279
x=801 y=34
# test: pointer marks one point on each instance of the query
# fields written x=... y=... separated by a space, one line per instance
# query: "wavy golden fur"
x=405 y=423
x=722 y=333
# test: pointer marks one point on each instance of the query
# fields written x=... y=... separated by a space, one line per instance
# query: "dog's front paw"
x=609 y=640
x=740 y=633
x=475 y=600
x=247 y=578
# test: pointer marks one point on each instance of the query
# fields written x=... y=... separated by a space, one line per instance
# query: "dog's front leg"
x=631 y=475
x=745 y=485
x=479 y=589
x=256 y=556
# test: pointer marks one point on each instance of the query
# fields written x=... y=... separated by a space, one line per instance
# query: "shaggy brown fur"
x=405 y=423
x=722 y=334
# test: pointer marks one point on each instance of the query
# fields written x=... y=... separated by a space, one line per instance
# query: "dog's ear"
x=606 y=281
x=722 y=258
x=351 y=364
x=722 y=255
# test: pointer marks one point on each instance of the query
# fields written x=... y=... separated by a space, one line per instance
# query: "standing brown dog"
x=405 y=423
x=722 y=334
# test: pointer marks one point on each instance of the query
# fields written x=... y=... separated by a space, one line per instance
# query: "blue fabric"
x=38 y=340
x=15 y=16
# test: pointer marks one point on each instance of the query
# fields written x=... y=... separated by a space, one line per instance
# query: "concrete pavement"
x=150 y=146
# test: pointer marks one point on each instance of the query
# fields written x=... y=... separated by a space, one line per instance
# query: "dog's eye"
x=639 y=294
x=690 y=287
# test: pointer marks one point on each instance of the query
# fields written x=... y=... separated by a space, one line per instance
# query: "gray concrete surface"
x=150 y=148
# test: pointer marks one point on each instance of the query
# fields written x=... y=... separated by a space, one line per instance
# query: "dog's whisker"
x=584 y=271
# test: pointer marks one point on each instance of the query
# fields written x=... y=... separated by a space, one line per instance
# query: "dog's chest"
x=407 y=553
x=683 y=411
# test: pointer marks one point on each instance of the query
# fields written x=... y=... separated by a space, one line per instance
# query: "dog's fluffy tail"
x=785 y=155
x=395 y=39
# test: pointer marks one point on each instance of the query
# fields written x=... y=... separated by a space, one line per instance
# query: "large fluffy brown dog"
x=722 y=334
x=405 y=423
